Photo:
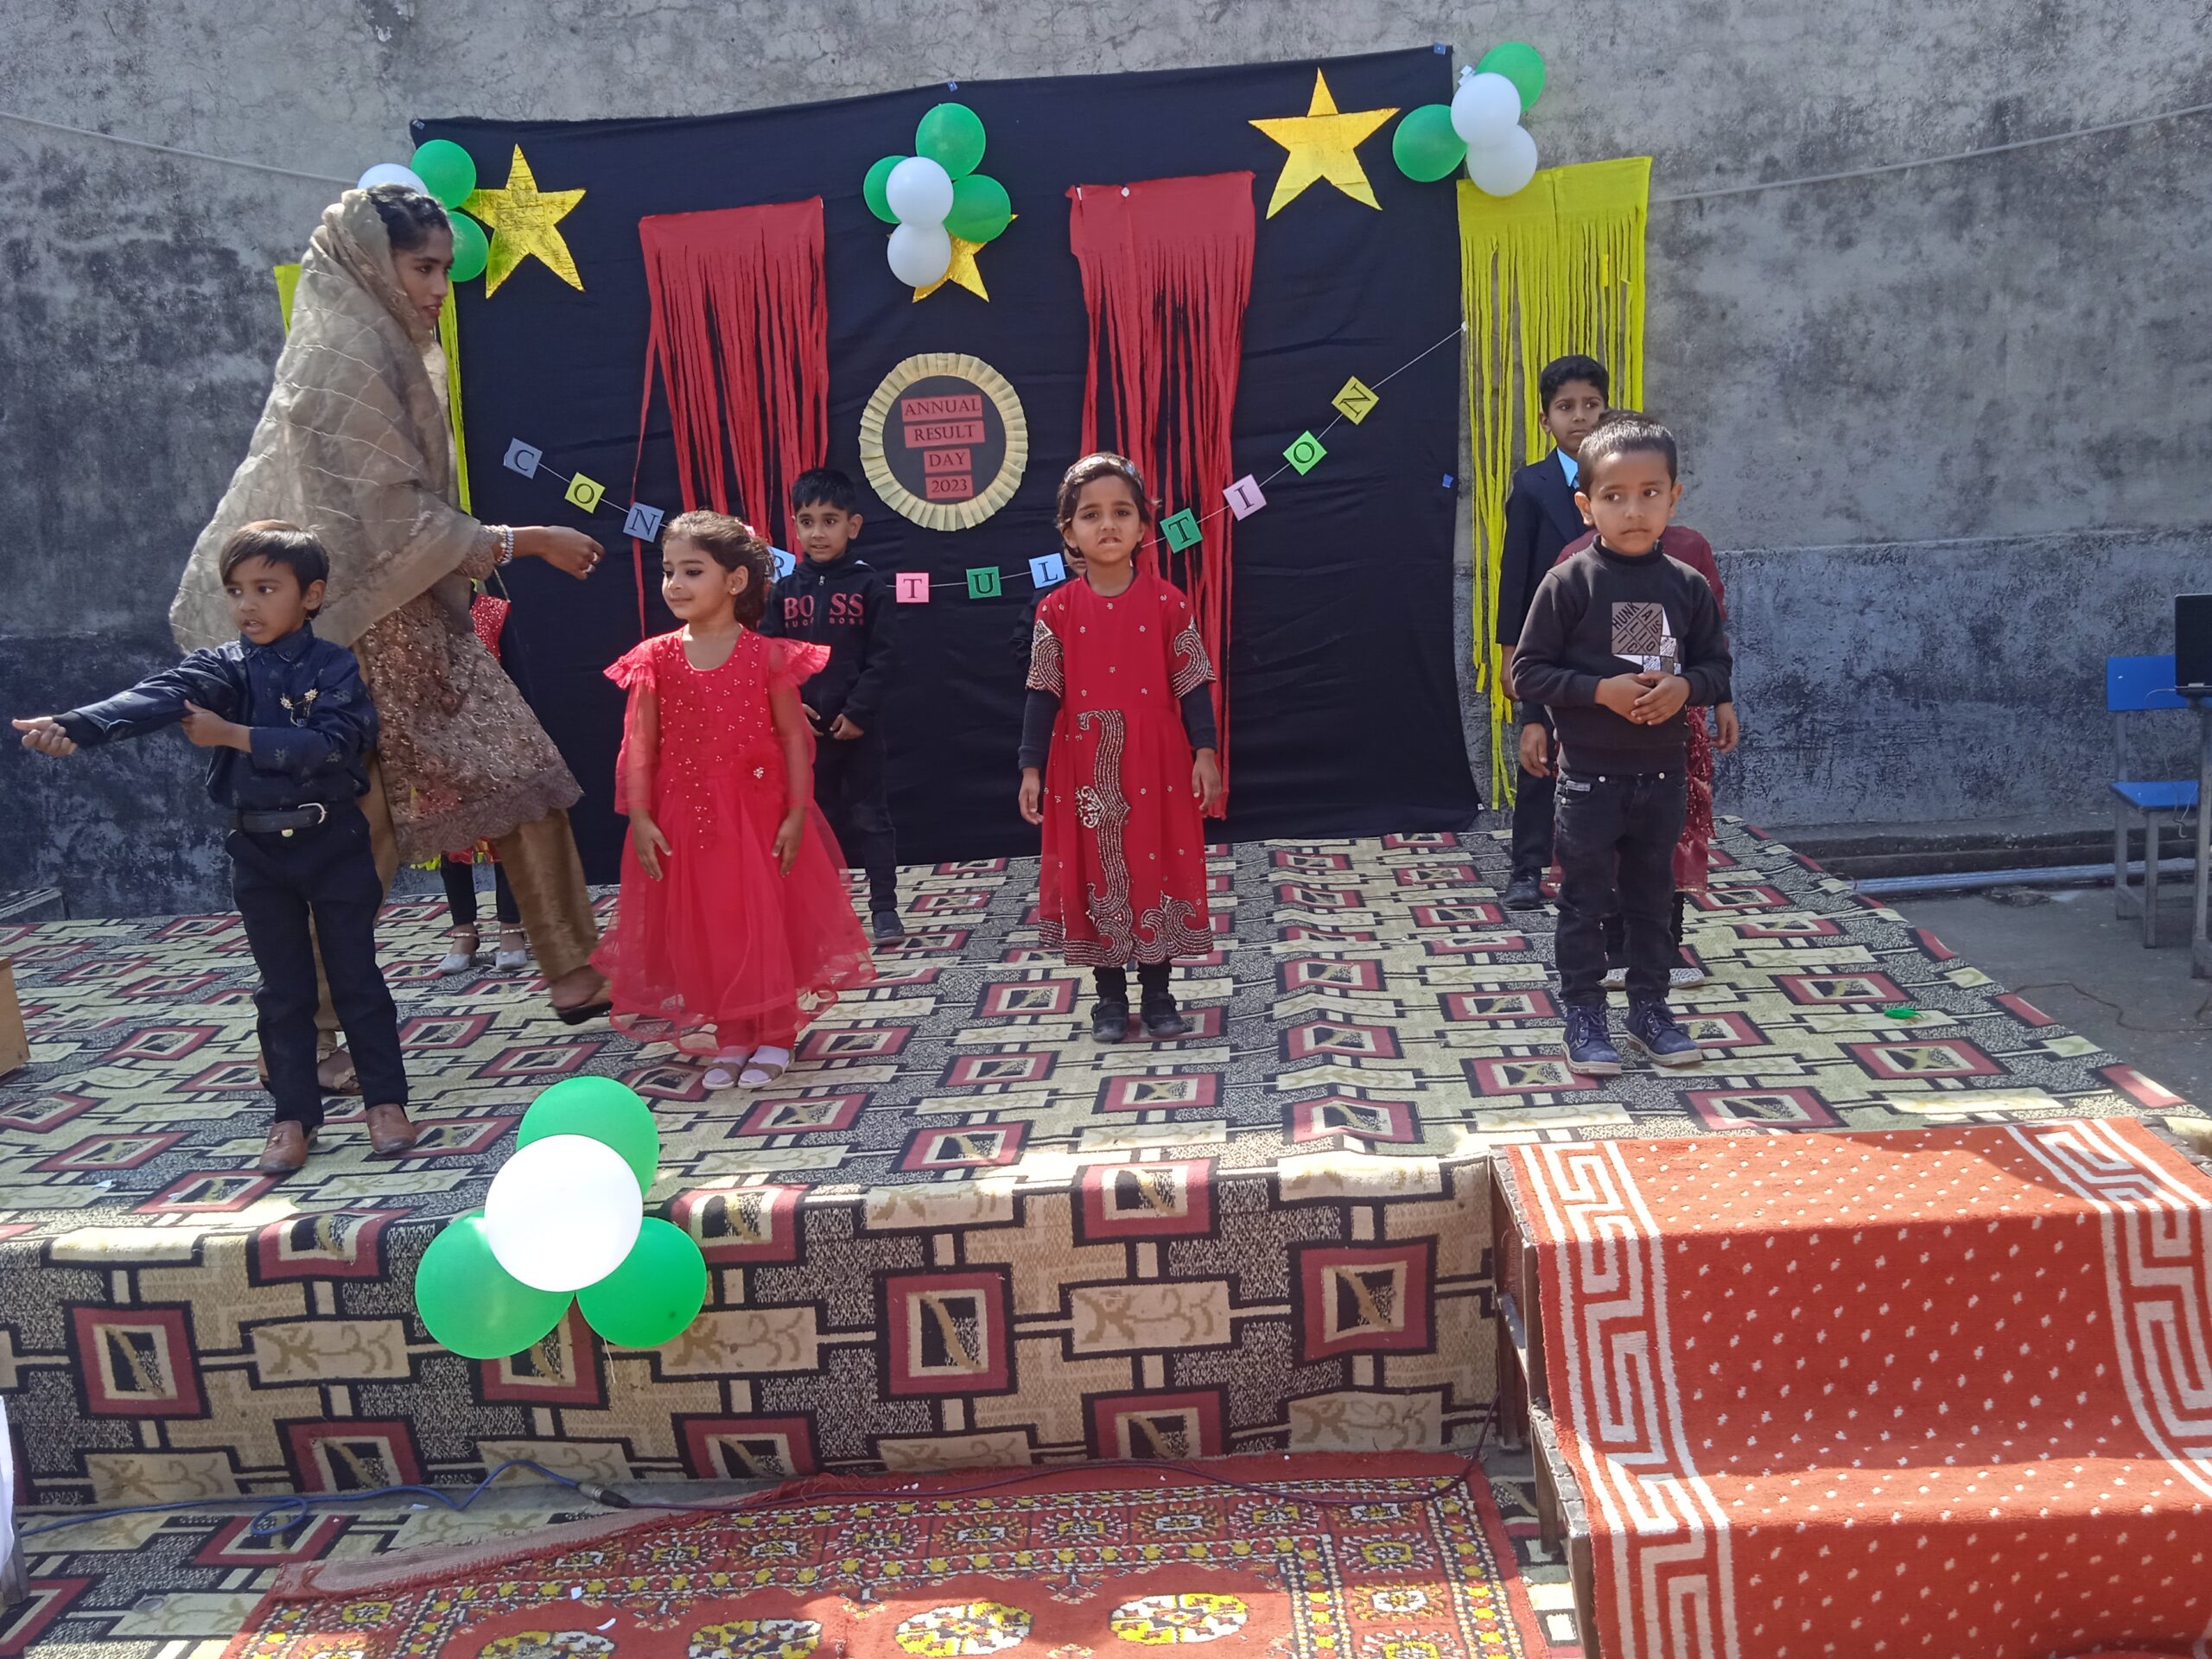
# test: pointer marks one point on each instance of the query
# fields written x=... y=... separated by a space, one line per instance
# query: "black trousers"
x=1617 y=932
x=1532 y=817
x=460 y=893
x=1616 y=849
x=1113 y=983
x=850 y=789
x=327 y=874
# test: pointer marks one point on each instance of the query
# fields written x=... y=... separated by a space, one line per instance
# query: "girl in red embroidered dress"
x=1119 y=707
x=732 y=931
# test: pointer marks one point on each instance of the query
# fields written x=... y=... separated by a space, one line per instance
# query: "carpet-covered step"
x=1943 y=1391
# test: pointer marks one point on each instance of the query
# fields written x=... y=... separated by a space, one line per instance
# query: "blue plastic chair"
x=2135 y=685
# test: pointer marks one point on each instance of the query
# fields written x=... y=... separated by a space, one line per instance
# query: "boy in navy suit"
x=1541 y=518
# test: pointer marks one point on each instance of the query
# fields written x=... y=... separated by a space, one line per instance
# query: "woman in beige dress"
x=356 y=445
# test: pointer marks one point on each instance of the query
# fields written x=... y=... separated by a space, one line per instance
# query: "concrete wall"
x=1867 y=375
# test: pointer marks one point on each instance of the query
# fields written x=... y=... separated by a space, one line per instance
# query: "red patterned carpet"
x=1939 y=1392
x=1370 y=1558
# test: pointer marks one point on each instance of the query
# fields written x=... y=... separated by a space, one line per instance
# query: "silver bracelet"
x=506 y=537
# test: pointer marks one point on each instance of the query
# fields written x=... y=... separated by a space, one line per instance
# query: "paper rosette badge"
x=943 y=440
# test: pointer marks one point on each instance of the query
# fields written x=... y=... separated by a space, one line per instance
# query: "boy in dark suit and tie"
x=1541 y=518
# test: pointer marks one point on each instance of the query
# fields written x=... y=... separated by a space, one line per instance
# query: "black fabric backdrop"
x=1345 y=708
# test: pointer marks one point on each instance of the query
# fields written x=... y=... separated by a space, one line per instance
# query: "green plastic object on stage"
x=980 y=208
x=471 y=1305
x=470 y=248
x=655 y=1295
x=600 y=1108
x=1520 y=63
x=872 y=188
x=448 y=169
x=951 y=134
x=1425 y=146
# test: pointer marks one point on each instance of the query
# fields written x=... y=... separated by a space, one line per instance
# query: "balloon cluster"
x=443 y=169
x=935 y=195
x=1481 y=126
x=565 y=1220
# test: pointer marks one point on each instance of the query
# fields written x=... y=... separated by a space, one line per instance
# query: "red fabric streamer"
x=739 y=340
x=1166 y=275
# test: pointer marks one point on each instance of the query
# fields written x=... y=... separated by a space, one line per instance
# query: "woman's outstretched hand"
x=565 y=550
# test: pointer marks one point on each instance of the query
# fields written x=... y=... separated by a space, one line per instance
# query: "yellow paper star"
x=962 y=272
x=523 y=220
x=1322 y=144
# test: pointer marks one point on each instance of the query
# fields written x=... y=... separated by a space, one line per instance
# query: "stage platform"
x=959 y=1232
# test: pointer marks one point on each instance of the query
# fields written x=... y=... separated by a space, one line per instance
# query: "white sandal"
x=513 y=954
x=764 y=1067
x=456 y=960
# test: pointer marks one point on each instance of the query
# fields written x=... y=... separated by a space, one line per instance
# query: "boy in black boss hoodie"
x=833 y=598
x=1620 y=640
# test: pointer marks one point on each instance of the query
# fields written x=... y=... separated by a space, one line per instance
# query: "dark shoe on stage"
x=1161 y=1017
x=1525 y=893
x=287 y=1151
x=1110 y=1020
x=1653 y=1028
x=390 y=1132
x=889 y=930
x=1589 y=1044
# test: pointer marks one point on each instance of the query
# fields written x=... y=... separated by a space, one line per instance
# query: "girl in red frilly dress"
x=1118 y=757
x=732 y=931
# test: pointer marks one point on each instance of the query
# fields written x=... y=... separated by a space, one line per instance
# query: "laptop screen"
x=2192 y=640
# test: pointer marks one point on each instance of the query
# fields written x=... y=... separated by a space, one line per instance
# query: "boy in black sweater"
x=1620 y=640
x=291 y=726
x=833 y=598
x=1541 y=518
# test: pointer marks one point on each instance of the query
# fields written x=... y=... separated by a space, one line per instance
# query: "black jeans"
x=1532 y=817
x=1113 y=983
x=850 y=788
x=1615 y=847
x=1617 y=933
x=460 y=893
x=327 y=873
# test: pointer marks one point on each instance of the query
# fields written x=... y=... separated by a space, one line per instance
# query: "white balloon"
x=1505 y=170
x=919 y=191
x=921 y=254
x=391 y=172
x=563 y=1212
x=1484 y=109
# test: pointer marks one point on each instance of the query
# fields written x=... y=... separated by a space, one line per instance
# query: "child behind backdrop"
x=1118 y=757
x=733 y=931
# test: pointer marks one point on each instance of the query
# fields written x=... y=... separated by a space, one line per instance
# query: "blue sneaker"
x=1653 y=1028
x=1589 y=1045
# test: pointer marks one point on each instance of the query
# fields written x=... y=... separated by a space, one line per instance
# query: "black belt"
x=282 y=821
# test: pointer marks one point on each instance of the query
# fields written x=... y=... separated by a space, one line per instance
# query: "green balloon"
x=471 y=1305
x=951 y=134
x=655 y=1295
x=980 y=208
x=599 y=1108
x=1520 y=63
x=1424 y=146
x=470 y=250
x=448 y=169
x=872 y=188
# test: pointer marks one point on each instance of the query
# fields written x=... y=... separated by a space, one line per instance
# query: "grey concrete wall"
x=1865 y=374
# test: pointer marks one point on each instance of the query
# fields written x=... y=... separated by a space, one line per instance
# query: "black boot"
x=1161 y=1017
x=1109 y=1015
x=1525 y=893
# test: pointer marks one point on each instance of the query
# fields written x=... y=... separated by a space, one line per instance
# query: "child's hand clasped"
x=42 y=734
x=1664 y=698
x=211 y=731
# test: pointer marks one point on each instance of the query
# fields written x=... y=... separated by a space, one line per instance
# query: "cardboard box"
x=14 y=1044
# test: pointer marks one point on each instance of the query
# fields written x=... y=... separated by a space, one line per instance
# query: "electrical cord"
x=283 y=1513
x=2197 y=1021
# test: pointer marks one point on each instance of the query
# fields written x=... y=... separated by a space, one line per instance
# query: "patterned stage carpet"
x=959 y=1232
x=1947 y=1391
x=1377 y=1558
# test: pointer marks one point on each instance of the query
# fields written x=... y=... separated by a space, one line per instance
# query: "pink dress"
x=723 y=953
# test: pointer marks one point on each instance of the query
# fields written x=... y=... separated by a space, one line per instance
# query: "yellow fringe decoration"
x=288 y=283
x=1558 y=268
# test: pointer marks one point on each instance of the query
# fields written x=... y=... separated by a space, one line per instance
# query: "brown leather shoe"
x=390 y=1132
x=287 y=1151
